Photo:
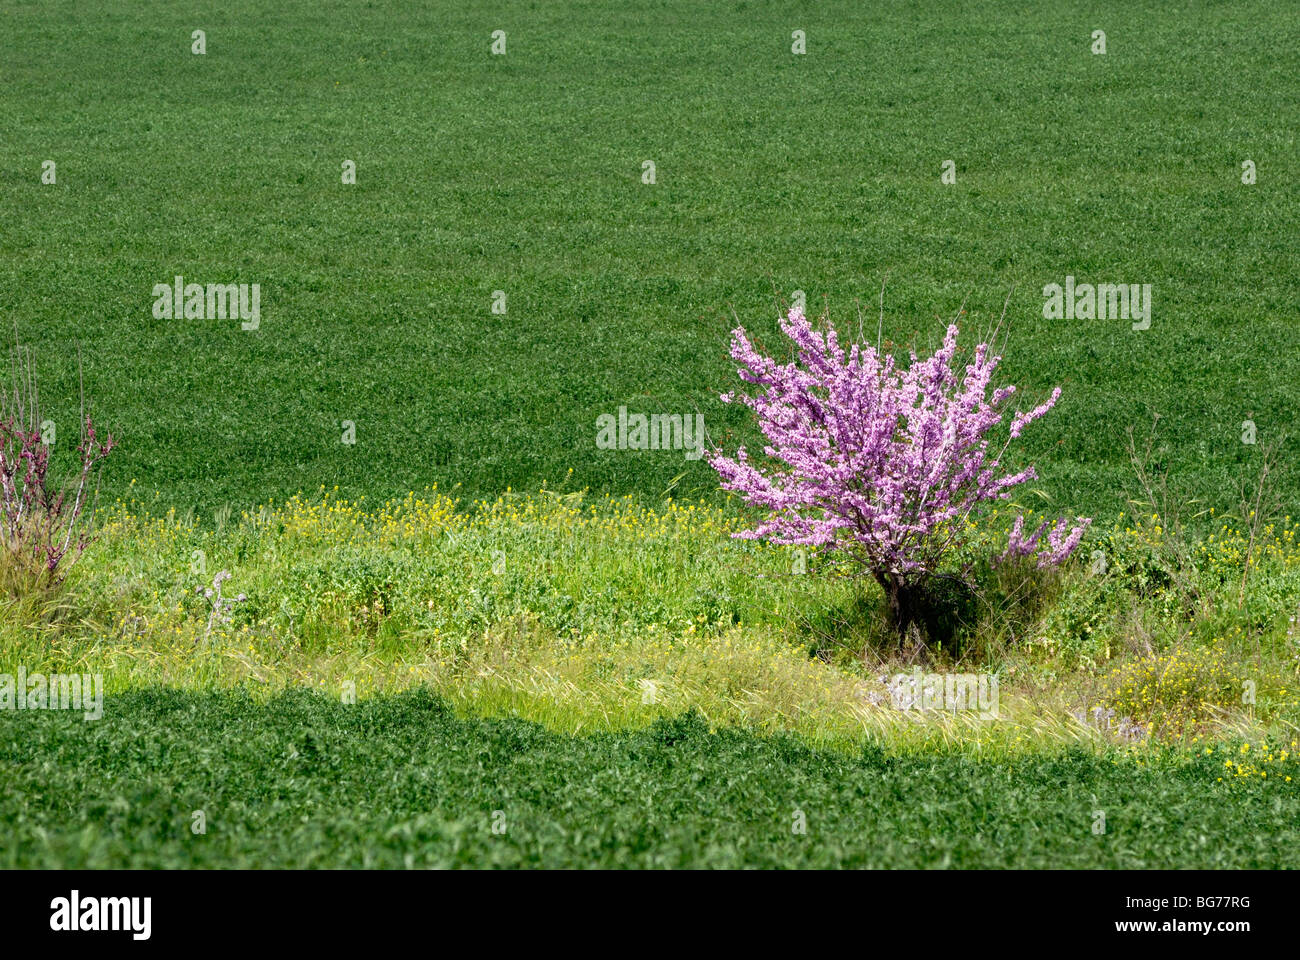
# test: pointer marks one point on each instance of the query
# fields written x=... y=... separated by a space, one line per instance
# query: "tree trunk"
x=906 y=602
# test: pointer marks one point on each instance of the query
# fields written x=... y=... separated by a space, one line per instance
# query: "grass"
x=590 y=613
x=522 y=173
x=305 y=781
x=599 y=660
x=632 y=687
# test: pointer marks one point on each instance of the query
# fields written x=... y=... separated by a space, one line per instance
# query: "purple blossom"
x=880 y=462
x=1061 y=540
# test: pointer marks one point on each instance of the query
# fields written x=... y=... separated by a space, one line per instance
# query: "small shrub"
x=44 y=524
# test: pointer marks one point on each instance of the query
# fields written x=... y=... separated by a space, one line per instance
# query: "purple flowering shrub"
x=881 y=465
x=1060 y=543
x=45 y=525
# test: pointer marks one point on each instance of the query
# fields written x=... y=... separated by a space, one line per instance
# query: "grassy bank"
x=602 y=614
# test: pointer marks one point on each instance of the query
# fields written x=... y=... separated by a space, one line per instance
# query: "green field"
x=586 y=649
x=400 y=782
x=522 y=173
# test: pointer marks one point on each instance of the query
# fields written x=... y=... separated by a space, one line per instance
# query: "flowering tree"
x=881 y=464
